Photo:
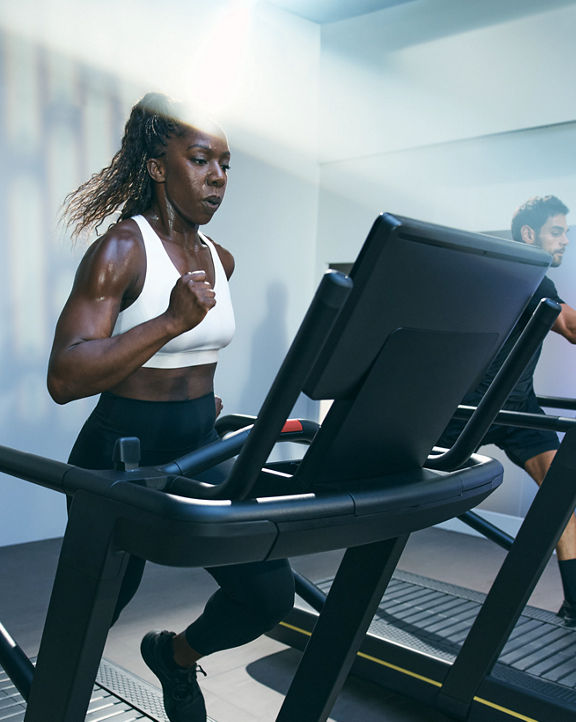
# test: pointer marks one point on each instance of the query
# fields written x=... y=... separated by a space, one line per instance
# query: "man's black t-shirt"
x=524 y=386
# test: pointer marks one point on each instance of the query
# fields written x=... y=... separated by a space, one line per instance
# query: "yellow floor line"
x=428 y=680
x=517 y=715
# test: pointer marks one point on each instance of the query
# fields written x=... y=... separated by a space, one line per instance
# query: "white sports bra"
x=201 y=344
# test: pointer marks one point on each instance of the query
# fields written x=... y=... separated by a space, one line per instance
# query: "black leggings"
x=252 y=597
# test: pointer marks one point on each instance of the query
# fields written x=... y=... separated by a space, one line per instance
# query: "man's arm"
x=565 y=324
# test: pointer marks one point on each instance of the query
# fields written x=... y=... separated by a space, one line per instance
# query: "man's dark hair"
x=535 y=212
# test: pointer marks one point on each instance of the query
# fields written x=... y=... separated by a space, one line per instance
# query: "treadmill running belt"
x=434 y=618
x=118 y=696
x=419 y=628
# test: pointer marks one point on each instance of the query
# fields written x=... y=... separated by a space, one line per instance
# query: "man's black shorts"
x=519 y=445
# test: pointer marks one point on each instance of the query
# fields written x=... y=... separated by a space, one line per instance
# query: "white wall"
x=68 y=78
x=453 y=113
x=433 y=71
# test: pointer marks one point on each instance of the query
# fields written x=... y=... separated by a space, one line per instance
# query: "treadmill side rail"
x=544 y=523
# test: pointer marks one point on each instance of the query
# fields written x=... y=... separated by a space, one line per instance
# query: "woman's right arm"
x=85 y=358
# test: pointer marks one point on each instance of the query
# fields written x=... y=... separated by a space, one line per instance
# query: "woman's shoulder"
x=117 y=256
x=226 y=258
x=122 y=240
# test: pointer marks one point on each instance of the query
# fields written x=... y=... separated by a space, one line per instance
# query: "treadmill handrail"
x=207 y=456
x=218 y=451
x=522 y=419
x=233 y=422
x=67 y=478
x=40 y=470
x=531 y=337
x=557 y=402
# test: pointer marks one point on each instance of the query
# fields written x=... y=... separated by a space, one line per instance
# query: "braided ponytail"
x=125 y=183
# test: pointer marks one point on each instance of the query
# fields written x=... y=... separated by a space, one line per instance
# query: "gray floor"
x=247 y=684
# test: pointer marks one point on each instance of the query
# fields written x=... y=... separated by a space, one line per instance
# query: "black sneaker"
x=183 y=700
x=568 y=613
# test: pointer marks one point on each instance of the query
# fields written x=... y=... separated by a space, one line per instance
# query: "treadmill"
x=476 y=656
x=423 y=312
